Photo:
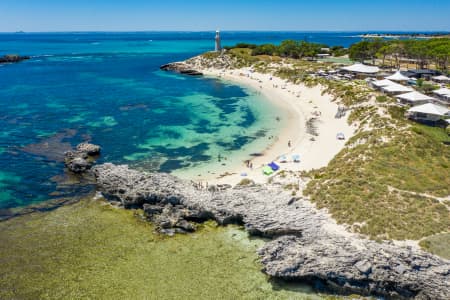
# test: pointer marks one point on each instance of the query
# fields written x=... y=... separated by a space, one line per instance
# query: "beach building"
x=395 y=89
x=428 y=113
x=441 y=79
x=443 y=94
x=218 y=46
x=414 y=98
x=425 y=74
x=398 y=76
x=378 y=84
x=361 y=70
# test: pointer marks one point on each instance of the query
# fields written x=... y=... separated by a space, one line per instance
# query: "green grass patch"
x=438 y=244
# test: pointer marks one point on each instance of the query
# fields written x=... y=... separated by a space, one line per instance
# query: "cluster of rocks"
x=12 y=58
x=306 y=243
x=82 y=158
x=182 y=68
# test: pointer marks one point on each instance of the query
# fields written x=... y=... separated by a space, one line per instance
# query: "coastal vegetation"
x=287 y=48
x=422 y=53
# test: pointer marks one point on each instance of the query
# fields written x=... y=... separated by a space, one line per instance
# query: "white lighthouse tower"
x=218 y=47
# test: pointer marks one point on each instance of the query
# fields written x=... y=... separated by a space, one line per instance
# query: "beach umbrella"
x=283 y=158
x=296 y=158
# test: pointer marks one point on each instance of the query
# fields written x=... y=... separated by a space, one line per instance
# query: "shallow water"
x=91 y=250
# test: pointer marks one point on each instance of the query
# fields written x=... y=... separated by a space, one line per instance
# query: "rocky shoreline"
x=12 y=58
x=304 y=244
x=182 y=68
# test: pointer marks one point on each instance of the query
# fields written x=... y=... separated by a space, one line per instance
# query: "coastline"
x=300 y=104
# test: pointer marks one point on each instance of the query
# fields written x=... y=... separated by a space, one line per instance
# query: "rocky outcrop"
x=12 y=58
x=89 y=149
x=350 y=265
x=182 y=68
x=81 y=159
x=307 y=244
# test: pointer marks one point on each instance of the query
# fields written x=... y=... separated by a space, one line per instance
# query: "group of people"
x=249 y=164
x=200 y=185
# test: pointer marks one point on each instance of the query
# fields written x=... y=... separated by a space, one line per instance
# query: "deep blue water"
x=107 y=88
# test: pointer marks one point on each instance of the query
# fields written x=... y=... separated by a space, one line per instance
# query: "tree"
x=360 y=51
x=383 y=52
x=266 y=49
x=289 y=48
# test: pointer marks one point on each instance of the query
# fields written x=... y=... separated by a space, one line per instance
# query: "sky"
x=201 y=15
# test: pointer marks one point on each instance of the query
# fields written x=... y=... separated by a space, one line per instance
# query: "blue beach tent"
x=274 y=166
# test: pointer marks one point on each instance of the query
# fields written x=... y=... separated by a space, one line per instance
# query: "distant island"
x=406 y=35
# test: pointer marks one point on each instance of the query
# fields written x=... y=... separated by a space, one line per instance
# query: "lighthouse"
x=218 y=46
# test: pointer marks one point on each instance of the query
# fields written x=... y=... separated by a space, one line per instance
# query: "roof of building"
x=424 y=71
x=414 y=96
x=441 y=78
x=397 y=88
x=442 y=91
x=361 y=68
x=397 y=76
x=431 y=109
x=384 y=82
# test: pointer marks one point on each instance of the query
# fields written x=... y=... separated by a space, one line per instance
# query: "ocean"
x=107 y=88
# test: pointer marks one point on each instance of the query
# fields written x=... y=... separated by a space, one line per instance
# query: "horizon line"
x=239 y=30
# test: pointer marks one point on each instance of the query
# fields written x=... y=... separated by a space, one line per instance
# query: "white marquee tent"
x=397 y=76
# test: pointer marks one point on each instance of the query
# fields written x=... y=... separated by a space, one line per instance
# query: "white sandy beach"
x=301 y=103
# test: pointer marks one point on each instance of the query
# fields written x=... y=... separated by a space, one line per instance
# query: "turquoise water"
x=107 y=88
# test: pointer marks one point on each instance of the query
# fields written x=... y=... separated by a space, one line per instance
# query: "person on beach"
x=289 y=144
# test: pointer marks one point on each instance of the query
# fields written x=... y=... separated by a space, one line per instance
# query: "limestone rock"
x=89 y=149
x=182 y=68
x=81 y=159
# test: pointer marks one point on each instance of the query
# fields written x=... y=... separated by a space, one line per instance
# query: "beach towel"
x=267 y=170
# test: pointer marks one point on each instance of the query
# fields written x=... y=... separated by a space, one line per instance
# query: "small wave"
x=95 y=43
x=43 y=55
x=150 y=40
